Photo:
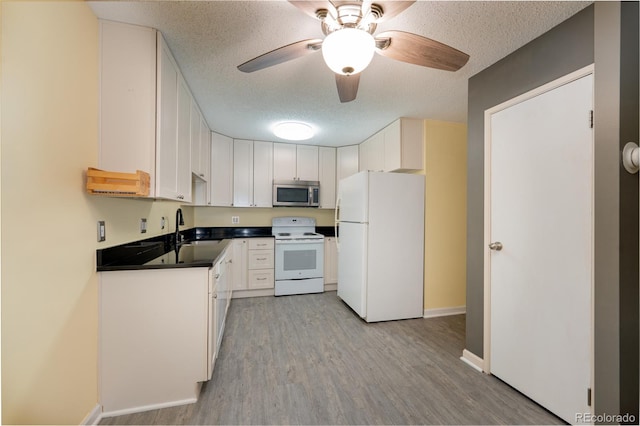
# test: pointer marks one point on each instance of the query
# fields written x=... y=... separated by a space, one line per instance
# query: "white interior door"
x=541 y=190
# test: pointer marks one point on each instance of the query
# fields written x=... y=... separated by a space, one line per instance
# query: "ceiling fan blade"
x=392 y=8
x=311 y=6
x=281 y=54
x=347 y=86
x=418 y=50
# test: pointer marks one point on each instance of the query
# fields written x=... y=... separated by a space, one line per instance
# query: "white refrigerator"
x=381 y=245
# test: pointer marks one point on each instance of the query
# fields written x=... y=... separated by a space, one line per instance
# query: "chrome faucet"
x=179 y=221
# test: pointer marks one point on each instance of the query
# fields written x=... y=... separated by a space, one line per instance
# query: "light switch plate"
x=102 y=235
x=143 y=225
x=235 y=220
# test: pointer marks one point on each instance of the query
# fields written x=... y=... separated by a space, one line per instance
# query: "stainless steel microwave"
x=296 y=193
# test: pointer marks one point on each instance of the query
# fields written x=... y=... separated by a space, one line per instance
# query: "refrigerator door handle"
x=335 y=223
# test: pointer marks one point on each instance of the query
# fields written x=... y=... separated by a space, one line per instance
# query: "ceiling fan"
x=349 y=44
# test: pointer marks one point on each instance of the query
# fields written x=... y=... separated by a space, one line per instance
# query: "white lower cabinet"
x=253 y=267
x=160 y=331
x=330 y=262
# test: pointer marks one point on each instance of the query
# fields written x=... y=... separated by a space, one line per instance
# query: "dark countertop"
x=201 y=248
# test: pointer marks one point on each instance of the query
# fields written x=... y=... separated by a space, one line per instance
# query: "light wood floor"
x=308 y=359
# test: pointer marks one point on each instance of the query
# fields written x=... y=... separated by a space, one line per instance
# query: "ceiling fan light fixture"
x=348 y=50
x=293 y=131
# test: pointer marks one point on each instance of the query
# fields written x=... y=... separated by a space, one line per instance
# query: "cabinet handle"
x=261 y=279
x=261 y=258
x=217 y=276
x=201 y=174
x=215 y=295
x=180 y=197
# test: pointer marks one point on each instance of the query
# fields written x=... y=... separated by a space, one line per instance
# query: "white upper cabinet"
x=404 y=145
x=327 y=177
x=399 y=147
x=295 y=162
x=205 y=150
x=307 y=162
x=127 y=99
x=252 y=173
x=372 y=153
x=346 y=161
x=148 y=118
x=200 y=144
x=173 y=139
x=221 y=184
x=262 y=174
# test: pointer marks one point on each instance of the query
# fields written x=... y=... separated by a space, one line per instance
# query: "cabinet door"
x=284 y=161
x=242 y=173
x=363 y=162
x=167 y=143
x=347 y=162
x=376 y=153
x=392 y=150
x=221 y=170
x=262 y=174
x=307 y=162
x=205 y=150
x=327 y=177
x=240 y=253
x=183 y=164
x=330 y=261
x=127 y=99
x=196 y=141
x=404 y=145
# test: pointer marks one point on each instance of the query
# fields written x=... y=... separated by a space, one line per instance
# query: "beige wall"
x=445 y=214
x=49 y=284
x=221 y=216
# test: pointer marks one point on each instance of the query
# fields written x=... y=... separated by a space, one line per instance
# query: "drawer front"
x=260 y=259
x=260 y=243
x=261 y=278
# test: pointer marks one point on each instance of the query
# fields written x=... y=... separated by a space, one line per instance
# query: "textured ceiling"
x=210 y=38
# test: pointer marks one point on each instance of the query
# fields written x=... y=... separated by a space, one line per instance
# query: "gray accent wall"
x=602 y=33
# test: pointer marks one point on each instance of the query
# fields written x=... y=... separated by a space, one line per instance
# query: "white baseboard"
x=94 y=417
x=442 y=312
x=149 y=407
x=472 y=360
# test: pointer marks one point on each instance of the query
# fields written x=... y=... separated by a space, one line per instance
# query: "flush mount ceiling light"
x=293 y=131
x=348 y=51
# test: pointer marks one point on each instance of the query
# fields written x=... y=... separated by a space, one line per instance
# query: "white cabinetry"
x=372 y=153
x=127 y=99
x=327 y=177
x=200 y=144
x=330 y=263
x=145 y=110
x=221 y=170
x=346 y=161
x=221 y=287
x=399 y=147
x=252 y=173
x=153 y=337
x=295 y=162
x=404 y=145
x=253 y=267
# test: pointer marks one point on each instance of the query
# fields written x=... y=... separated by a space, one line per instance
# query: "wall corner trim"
x=472 y=360
x=94 y=416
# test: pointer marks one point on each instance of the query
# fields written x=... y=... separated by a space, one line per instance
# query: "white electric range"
x=299 y=256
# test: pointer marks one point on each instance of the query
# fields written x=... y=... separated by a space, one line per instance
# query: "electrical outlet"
x=235 y=220
x=143 y=225
x=163 y=222
x=102 y=235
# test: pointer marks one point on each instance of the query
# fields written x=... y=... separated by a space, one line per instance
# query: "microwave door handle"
x=310 y=197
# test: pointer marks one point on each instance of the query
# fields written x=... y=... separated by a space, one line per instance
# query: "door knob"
x=497 y=246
